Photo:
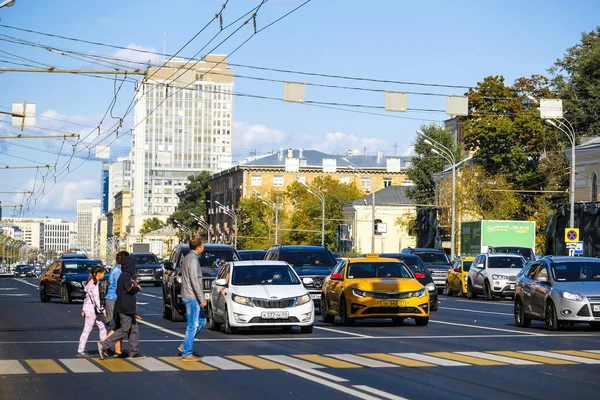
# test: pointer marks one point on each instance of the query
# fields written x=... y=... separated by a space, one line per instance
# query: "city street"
x=470 y=349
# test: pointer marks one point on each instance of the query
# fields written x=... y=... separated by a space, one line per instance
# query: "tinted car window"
x=434 y=258
x=145 y=259
x=79 y=266
x=378 y=270
x=521 y=251
x=576 y=271
x=506 y=262
x=216 y=258
x=308 y=258
x=264 y=275
x=467 y=265
x=252 y=255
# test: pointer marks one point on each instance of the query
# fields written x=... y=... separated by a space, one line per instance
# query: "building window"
x=345 y=180
x=595 y=188
x=278 y=180
x=365 y=183
x=387 y=182
x=256 y=180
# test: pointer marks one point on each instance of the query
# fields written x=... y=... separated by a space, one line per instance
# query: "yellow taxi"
x=456 y=279
x=373 y=287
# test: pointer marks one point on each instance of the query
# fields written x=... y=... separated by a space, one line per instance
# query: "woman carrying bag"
x=93 y=312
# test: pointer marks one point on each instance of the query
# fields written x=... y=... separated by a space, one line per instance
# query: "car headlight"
x=571 y=296
x=245 y=301
x=430 y=287
x=358 y=293
x=303 y=299
x=419 y=293
x=500 y=277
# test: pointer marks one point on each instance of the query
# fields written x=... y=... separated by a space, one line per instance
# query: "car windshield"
x=506 y=262
x=361 y=270
x=308 y=258
x=20 y=268
x=264 y=275
x=145 y=259
x=524 y=252
x=80 y=266
x=216 y=258
x=434 y=258
x=413 y=262
x=467 y=265
x=579 y=271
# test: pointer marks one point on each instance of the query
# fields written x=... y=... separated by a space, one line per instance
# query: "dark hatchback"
x=436 y=261
x=148 y=268
x=252 y=255
x=67 y=278
x=314 y=262
x=211 y=260
x=421 y=272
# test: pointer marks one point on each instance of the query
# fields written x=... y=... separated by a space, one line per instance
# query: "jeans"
x=128 y=327
x=196 y=319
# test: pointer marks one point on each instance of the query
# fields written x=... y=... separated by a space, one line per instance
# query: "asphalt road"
x=470 y=350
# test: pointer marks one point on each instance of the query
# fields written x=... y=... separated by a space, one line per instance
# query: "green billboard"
x=476 y=235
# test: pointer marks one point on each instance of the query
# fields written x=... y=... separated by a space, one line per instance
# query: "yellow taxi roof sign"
x=372 y=255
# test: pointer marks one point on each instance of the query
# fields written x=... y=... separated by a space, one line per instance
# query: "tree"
x=192 y=200
x=424 y=163
x=254 y=225
x=576 y=80
x=150 y=225
x=307 y=215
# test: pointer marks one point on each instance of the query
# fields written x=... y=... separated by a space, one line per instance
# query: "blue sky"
x=457 y=43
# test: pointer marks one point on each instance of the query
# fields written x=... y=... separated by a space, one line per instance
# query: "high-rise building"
x=56 y=236
x=88 y=211
x=104 y=183
x=119 y=176
x=183 y=125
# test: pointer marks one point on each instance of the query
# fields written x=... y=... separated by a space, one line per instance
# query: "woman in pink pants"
x=92 y=310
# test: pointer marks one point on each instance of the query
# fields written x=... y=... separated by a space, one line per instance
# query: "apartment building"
x=88 y=211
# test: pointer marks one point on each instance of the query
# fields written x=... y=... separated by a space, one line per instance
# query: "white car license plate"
x=316 y=296
x=207 y=296
x=512 y=287
x=596 y=307
x=274 y=314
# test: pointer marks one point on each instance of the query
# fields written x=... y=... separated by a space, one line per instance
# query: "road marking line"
x=565 y=357
x=487 y=328
x=366 y=362
x=293 y=362
x=46 y=366
x=531 y=357
x=187 y=365
x=593 y=351
x=475 y=311
x=11 y=367
x=222 y=363
x=332 y=385
x=8 y=288
x=117 y=365
x=160 y=328
x=487 y=302
x=379 y=393
x=464 y=358
x=150 y=295
x=27 y=283
x=344 y=332
x=406 y=362
x=494 y=357
x=432 y=360
x=578 y=353
x=328 y=362
x=142 y=304
x=14 y=294
x=257 y=362
x=79 y=365
x=154 y=365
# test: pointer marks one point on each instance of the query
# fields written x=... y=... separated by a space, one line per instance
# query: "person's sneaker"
x=101 y=351
x=118 y=355
x=180 y=348
x=192 y=358
x=136 y=356
x=83 y=354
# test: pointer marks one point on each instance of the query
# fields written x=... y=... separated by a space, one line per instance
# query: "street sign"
x=571 y=235
x=578 y=249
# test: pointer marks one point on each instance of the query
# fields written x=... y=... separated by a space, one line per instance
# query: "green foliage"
x=256 y=225
x=197 y=192
x=151 y=225
x=425 y=163
x=307 y=215
x=576 y=80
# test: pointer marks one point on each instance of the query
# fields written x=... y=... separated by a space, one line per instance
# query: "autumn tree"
x=151 y=225
x=256 y=225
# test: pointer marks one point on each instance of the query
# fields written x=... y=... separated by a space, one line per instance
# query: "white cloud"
x=339 y=142
x=257 y=136
x=63 y=196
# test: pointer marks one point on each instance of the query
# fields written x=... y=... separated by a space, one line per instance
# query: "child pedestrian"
x=93 y=312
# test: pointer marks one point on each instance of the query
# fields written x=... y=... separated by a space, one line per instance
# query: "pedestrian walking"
x=111 y=297
x=93 y=312
x=193 y=298
x=125 y=311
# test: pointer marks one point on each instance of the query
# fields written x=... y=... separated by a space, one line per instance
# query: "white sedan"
x=260 y=294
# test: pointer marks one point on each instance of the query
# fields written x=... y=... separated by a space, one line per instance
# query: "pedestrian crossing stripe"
x=302 y=361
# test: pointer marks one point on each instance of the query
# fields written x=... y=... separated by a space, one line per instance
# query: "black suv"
x=212 y=259
x=66 y=278
x=314 y=262
x=148 y=268
x=436 y=261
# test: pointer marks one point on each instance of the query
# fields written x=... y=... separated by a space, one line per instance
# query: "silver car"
x=559 y=290
x=494 y=275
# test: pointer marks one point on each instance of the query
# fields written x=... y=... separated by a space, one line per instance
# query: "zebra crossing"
x=302 y=362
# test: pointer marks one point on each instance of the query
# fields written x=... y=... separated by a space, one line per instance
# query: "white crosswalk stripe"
x=366 y=362
x=293 y=362
x=11 y=367
x=494 y=357
x=592 y=351
x=431 y=359
x=564 y=357
x=152 y=364
x=79 y=365
x=223 y=363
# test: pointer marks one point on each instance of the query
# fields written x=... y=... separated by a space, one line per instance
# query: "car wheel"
x=43 y=296
x=166 y=310
x=306 y=329
x=521 y=319
x=325 y=316
x=487 y=291
x=211 y=323
x=176 y=316
x=64 y=295
x=228 y=328
x=440 y=291
x=595 y=325
x=421 y=321
x=434 y=307
x=398 y=321
x=470 y=293
x=344 y=314
x=552 y=323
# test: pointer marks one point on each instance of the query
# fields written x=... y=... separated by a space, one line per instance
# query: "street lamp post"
x=184 y=228
x=233 y=215
x=357 y=168
x=321 y=196
x=447 y=154
x=202 y=224
x=275 y=207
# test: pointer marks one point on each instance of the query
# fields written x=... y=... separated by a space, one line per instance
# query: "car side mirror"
x=457 y=269
x=480 y=266
x=336 y=277
x=169 y=265
x=420 y=275
x=542 y=279
x=307 y=281
x=221 y=282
